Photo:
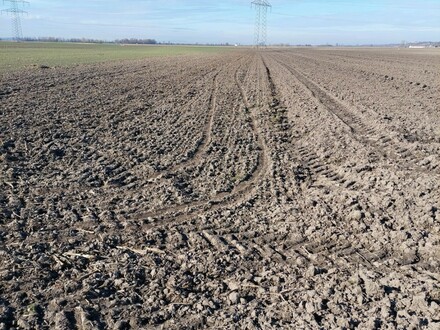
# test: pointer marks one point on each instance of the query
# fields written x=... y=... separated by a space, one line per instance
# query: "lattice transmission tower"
x=15 y=12
x=261 y=7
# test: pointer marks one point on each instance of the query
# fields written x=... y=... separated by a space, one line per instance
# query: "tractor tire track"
x=195 y=155
x=204 y=141
x=361 y=131
x=312 y=166
x=331 y=252
x=240 y=193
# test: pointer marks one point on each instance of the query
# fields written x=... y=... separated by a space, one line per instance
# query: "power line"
x=261 y=7
x=15 y=12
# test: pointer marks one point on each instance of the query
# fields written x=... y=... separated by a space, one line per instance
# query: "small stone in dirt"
x=312 y=271
x=356 y=215
x=44 y=66
x=300 y=261
x=233 y=286
x=310 y=308
x=233 y=297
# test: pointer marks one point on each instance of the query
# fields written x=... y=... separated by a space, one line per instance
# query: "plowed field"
x=295 y=189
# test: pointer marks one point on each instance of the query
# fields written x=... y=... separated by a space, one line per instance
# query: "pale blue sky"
x=294 y=21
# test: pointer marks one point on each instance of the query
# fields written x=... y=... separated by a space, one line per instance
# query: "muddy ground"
x=295 y=189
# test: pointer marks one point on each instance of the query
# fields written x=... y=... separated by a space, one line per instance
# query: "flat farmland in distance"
x=31 y=55
x=280 y=188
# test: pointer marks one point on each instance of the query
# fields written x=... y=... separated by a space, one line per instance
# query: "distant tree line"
x=169 y=43
x=55 y=39
x=131 y=41
x=126 y=41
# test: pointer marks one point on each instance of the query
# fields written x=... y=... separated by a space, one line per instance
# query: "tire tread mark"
x=204 y=141
x=361 y=131
x=239 y=194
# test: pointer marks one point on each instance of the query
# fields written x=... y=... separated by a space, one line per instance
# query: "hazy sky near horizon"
x=191 y=21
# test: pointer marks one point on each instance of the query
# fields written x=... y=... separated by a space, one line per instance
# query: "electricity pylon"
x=16 y=13
x=261 y=7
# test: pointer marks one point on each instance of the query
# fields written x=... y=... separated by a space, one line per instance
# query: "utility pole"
x=16 y=13
x=261 y=7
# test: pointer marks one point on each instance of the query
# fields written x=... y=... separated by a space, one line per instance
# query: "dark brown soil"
x=293 y=189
